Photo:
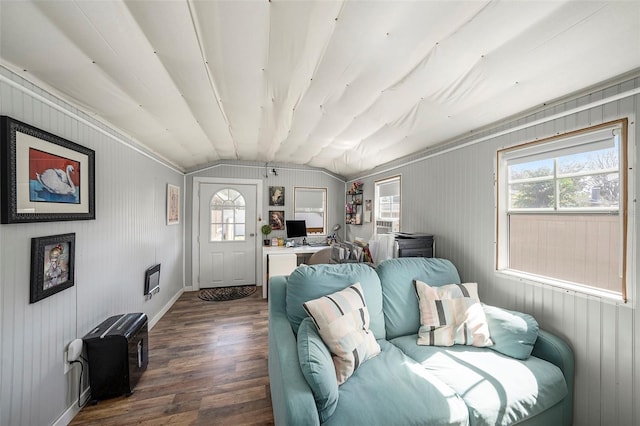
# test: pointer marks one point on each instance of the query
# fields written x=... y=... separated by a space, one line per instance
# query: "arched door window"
x=227 y=216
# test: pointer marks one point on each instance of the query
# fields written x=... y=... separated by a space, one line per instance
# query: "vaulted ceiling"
x=341 y=85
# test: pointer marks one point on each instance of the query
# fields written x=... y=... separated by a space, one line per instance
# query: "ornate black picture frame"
x=276 y=219
x=52 y=265
x=276 y=195
x=45 y=178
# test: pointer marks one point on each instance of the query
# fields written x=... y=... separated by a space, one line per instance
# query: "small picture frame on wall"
x=52 y=265
x=276 y=195
x=173 y=204
x=276 y=219
x=45 y=178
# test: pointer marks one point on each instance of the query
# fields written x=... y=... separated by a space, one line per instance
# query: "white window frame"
x=234 y=222
x=380 y=223
x=626 y=134
x=297 y=209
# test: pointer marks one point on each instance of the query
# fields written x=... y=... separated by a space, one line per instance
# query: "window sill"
x=565 y=285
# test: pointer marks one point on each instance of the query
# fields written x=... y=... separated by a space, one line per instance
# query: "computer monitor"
x=296 y=228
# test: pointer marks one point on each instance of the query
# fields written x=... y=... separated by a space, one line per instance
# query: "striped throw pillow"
x=342 y=320
x=451 y=314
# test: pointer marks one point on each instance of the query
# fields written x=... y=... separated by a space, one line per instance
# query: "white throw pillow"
x=342 y=320
x=451 y=314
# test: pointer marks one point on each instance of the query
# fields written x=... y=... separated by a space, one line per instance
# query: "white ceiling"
x=341 y=85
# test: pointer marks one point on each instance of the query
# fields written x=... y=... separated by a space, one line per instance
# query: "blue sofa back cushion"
x=309 y=282
x=317 y=367
x=513 y=333
x=401 y=311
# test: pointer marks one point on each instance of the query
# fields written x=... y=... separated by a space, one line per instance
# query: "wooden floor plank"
x=207 y=366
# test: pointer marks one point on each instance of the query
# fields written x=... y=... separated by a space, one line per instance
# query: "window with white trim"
x=227 y=216
x=387 y=205
x=561 y=210
x=310 y=205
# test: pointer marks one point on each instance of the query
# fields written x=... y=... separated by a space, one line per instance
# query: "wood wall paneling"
x=112 y=253
x=452 y=195
x=288 y=176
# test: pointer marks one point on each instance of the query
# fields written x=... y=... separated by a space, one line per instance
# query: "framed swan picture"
x=45 y=178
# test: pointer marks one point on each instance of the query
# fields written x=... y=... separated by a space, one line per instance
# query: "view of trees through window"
x=587 y=179
x=560 y=217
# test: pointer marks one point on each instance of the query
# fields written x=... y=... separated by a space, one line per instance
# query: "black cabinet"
x=414 y=245
x=118 y=353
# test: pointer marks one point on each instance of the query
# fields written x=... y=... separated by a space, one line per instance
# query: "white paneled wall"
x=288 y=176
x=452 y=195
x=112 y=253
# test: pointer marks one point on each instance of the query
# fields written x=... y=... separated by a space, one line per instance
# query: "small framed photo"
x=44 y=177
x=52 y=265
x=276 y=195
x=173 y=204
x=276 y=219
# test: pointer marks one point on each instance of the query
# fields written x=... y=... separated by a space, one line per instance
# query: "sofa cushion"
x=308 y=282
x=342 y=320
x=401 y=313
x=451 y=314
x=317 y=367
x=513 y=333
x=392 y=389
x=497 y=389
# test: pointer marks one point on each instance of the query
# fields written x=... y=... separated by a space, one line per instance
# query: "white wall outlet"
x=74 y=349
x=67 y=364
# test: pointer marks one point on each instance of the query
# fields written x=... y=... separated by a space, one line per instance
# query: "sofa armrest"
x=291 y=396
x=553 y=349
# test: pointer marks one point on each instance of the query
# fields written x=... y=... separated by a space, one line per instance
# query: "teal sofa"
x=408 y=384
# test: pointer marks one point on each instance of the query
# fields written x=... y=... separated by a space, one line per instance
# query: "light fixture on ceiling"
x=273 y=171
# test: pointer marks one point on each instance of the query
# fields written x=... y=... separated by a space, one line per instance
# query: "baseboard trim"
x=71 y=412
x=165 y=309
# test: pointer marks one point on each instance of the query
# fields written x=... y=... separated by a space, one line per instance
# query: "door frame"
x=195 y=221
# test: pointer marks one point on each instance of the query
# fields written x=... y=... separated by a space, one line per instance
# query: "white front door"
x=227 y=234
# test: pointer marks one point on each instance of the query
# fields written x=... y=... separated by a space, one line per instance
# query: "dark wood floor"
x=207 y=366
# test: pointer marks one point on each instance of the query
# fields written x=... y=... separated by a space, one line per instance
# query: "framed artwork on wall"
x=276 y=195
x=367 y=211
x=52 y=265
x=173 y=204
x=45 y=178
x=276 y=219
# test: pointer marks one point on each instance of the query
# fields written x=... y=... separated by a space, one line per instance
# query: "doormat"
x=221 y=294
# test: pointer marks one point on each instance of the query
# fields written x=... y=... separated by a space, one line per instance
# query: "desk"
x=267 y=250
